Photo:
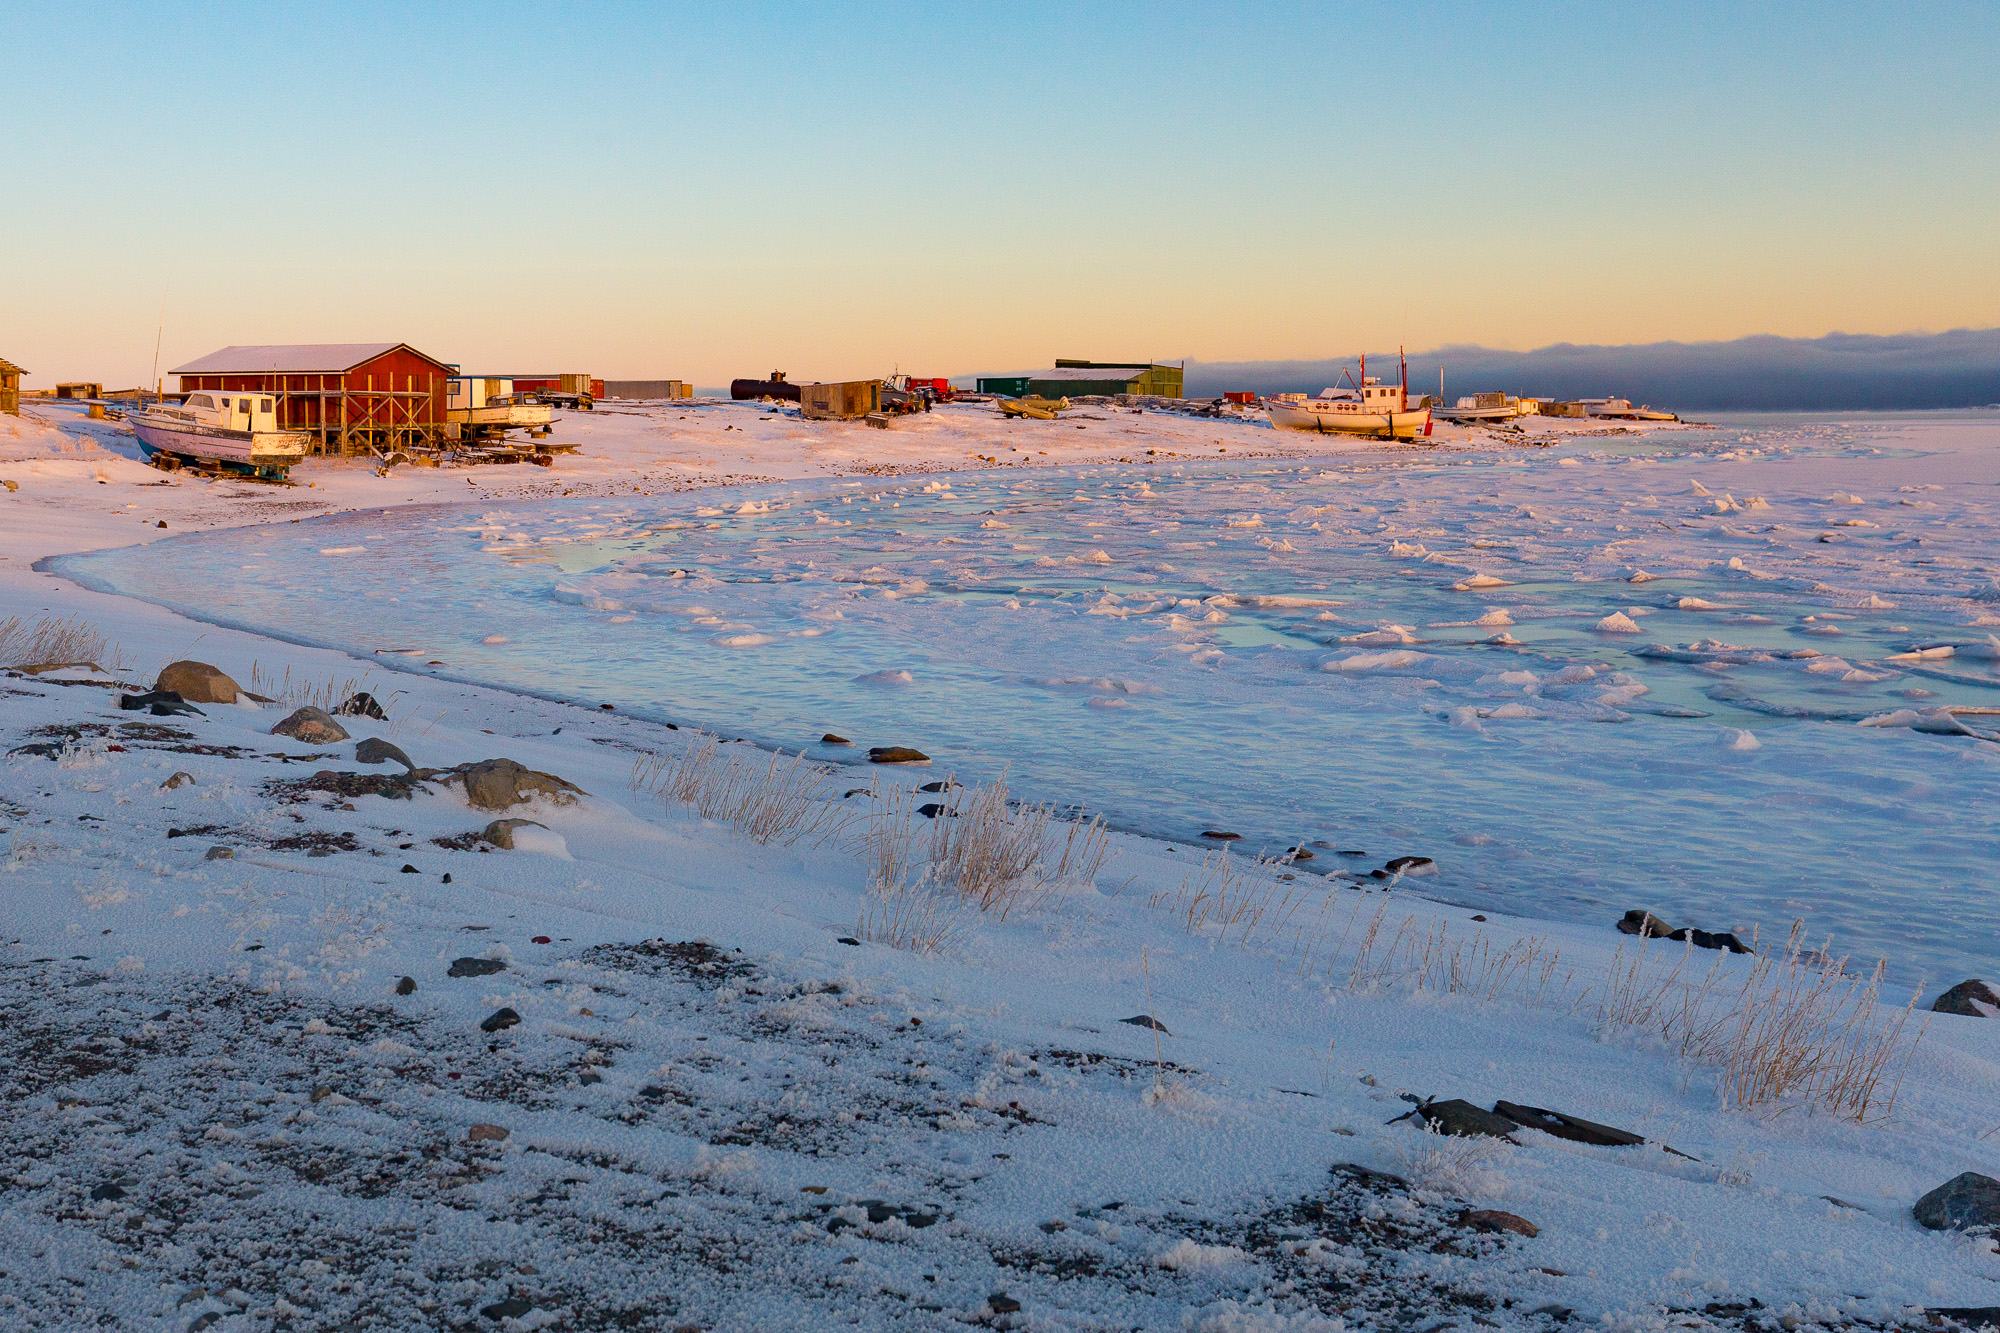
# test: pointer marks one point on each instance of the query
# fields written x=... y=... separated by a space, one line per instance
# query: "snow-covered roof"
x=285 y=359
x=1121 y=374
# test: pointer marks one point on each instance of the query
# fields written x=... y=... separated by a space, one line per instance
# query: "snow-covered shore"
x=219 y=1103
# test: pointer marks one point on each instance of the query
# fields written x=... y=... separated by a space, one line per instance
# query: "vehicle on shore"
x=225 y=431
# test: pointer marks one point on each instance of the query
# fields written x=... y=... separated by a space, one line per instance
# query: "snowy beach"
x=1698 y=671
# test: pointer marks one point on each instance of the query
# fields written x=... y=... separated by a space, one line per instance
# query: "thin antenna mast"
x=158 y=338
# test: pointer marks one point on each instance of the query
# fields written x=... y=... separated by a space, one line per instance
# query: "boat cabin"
x=235 y=411
x=466 y=392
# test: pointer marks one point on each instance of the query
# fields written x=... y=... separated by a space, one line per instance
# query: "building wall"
x=10 y=392
x=1076 y=388
x=1007 y=386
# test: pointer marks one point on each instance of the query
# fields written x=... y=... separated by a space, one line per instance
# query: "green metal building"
x=1007 y=386
x=1071 y=379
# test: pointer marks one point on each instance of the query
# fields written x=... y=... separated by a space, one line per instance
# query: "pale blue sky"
x=834 y=189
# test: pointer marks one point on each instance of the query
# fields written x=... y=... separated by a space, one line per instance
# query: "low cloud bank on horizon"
x=1840 y=372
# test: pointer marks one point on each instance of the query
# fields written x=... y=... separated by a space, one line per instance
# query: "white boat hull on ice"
x=1339 y=417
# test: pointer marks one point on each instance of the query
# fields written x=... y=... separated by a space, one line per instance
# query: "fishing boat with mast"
x=1361 y=406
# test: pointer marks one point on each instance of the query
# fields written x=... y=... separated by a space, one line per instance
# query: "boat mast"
x=1403 y=376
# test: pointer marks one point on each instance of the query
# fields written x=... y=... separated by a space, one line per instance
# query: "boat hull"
x=1479 y=413
x=531 y=415
x=255 y=450
x=1381 y=425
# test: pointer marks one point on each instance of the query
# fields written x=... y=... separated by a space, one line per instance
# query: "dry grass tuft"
x=49 y=643
x=981 y=850
x=302 y=691
x=908 y=914
x=1449 y=1163
x=765 y=798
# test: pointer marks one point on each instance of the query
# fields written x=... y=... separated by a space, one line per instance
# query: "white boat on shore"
x=1485 y=407
x=480 y=405
x=222 y=429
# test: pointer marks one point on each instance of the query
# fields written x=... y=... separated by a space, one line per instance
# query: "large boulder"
x=198 y=683
x=1966 y=1200
x=1974 y=999
x=314 y=726
x=496 y=784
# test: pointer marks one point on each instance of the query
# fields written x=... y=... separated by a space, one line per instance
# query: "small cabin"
x=80 y=389
x=842 y=400
x=10 y=387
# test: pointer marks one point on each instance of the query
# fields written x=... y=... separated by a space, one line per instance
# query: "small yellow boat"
x=1034 y=405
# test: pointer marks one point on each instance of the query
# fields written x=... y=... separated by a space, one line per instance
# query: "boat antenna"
x=158 y=337
x=1403 y=377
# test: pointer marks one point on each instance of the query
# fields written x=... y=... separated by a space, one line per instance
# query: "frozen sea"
x=1710 y=673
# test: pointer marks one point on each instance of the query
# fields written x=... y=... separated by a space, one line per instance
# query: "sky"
x=702 y=192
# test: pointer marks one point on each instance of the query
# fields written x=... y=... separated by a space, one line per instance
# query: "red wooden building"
x=354 y=397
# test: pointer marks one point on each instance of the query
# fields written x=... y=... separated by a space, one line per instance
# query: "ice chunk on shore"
x=1618 y=623
x=1383 y=637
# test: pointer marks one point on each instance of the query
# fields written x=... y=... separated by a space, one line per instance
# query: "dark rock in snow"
x=108 y=1190
x=1147 y=1021
x=848 y=939
x=411 y=870
x=511 y=1308
x=942 y=784
x=1644 y=924
x=483 y=1133
x=314 y=726
x=1411 y=866
x=1973 y=1317
x=1492 y=1219
x=931 y=810
x=1647 y=926
x=197 y=683
x=1001 y=1303
x=896 y=754
x=407 y=986
x=133 y=703
x=375 y=750
x=1463 y=1118
x=177 y=780
x=165 y=709
x=220 y=854
x=831 y=739
x=495 y=784
x=499 y=1020
x=1703 y=939
x=1966 y=998
x=475 y=967
x=1966 y=1200
x=1301 y=853
x=1220 y=835
x=362 y=705
x=500 y=833
x=1570 y=1127
x=43 y=749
